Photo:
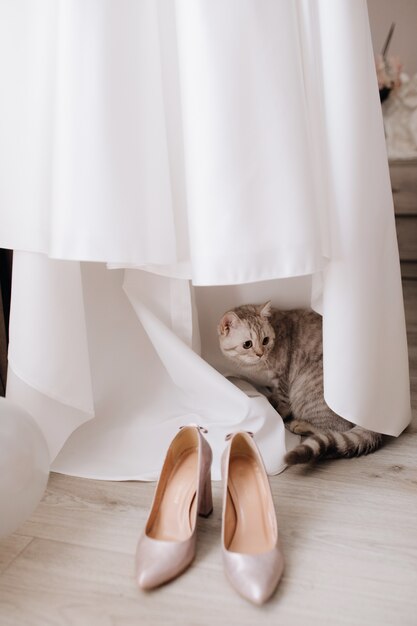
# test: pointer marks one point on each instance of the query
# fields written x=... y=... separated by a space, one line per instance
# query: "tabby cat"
x=282 y=352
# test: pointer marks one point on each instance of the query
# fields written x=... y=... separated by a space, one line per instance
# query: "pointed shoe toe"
x=158 y=562
x=254 y=576
x=167 y=546
x=252 y=556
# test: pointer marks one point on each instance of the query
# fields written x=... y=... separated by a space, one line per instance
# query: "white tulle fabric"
x=163 y=161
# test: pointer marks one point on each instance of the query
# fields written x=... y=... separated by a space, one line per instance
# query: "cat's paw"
x=301 y=427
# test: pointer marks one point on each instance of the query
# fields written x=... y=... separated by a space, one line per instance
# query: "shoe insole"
x=176 y=511
x=250 y=500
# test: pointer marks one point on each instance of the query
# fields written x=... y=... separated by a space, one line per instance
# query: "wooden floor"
x=349 y=529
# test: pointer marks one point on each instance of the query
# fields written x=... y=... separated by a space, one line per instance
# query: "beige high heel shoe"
x=252 y=557
x=167 y=545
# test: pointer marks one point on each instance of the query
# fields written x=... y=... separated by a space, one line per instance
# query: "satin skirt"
x=164 y=161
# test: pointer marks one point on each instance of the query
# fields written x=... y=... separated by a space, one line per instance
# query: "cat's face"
x=246 y=335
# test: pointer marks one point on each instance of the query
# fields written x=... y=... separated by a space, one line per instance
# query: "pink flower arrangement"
x=388 y=72
x=388 y=69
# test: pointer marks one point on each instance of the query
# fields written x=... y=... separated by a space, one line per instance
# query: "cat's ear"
x=228 y=321
x=265 y=310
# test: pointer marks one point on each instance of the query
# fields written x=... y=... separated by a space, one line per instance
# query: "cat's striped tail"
x=333 y=444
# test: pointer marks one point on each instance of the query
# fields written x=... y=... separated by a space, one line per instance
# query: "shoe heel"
x=206 y=502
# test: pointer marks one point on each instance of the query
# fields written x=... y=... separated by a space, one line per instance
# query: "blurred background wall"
x=404 y=41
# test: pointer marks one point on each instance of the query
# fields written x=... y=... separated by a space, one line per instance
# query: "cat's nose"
x=259 y=353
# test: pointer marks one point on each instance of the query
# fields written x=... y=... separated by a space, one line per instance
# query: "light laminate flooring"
x=348 y=527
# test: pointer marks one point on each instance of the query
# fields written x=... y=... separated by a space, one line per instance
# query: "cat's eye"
x=248 y=344
x=265 y=341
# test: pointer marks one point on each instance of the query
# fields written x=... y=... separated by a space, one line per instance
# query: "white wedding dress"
x=162 y=161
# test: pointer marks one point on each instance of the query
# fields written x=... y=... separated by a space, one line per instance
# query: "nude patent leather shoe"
x=252 y=557
x=167 y=545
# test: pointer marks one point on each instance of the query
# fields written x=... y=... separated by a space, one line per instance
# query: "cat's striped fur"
x=282 y=352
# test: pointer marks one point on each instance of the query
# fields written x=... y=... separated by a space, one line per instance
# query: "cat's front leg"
x=280 y=404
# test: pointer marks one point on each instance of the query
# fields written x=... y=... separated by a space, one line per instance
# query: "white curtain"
x=162 y=161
